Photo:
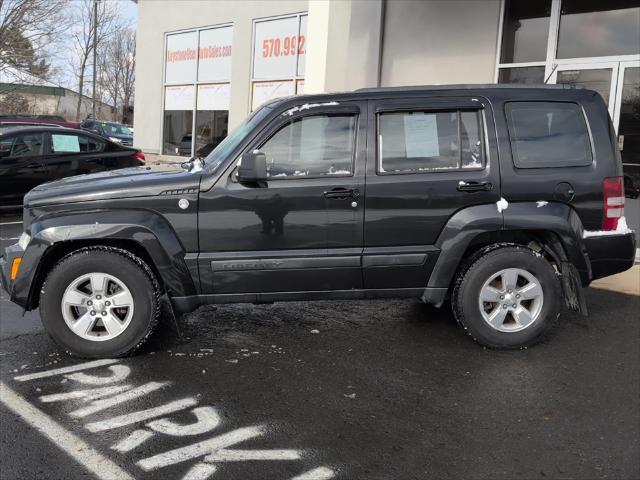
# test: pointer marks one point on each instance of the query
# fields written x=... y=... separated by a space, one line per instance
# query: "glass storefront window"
x=197 y=74
x=521 y=75
x=177 y=132
x=525 y=31
x=594 y=28
x=598 y=79
x=211 y=128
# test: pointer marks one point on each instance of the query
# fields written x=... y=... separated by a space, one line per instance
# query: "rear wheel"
x=100 y=302
x=507 y=297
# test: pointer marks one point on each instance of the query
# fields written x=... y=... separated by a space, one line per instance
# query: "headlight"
x=114 y=139
x=24 y=240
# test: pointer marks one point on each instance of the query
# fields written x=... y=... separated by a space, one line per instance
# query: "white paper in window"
x=264 y=91
x=214 y=97
x=421 y=135
x=65 y=143
x=179 y=97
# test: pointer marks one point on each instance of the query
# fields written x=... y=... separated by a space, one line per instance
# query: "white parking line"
x=92 y=460
x=2 y=239
x=10 y=223
x=60 y=371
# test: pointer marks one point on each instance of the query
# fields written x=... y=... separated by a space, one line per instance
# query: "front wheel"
x=508 y=297
x=100 y=302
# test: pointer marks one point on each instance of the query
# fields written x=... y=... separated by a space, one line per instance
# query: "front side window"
x=315 y=146
x=548 y=134
x=24 y=145
x=417 y=142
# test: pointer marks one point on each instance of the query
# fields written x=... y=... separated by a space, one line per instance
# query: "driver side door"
x=302 y=229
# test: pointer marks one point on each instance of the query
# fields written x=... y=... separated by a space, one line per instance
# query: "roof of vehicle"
x=51 y=128
x=487 y=90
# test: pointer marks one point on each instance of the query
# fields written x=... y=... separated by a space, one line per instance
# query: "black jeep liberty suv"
x=504 y=200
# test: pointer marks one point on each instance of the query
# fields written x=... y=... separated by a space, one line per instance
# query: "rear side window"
x=65 y=143
x=420 y=142
x=548 y=134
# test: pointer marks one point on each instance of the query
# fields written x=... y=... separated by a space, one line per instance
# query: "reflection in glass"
x=629 y=126
x=596 y=28
x=211 y=129
x=525 y=31
x=548 y=135
x=598 y=79
x=312 y=146
x=521 y=75
x=177 y=132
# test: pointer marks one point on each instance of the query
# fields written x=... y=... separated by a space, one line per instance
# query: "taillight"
x=613 y=202
x=139 y=156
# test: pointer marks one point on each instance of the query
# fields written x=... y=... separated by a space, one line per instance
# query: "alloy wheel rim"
x=511 y=300
x=97 y=306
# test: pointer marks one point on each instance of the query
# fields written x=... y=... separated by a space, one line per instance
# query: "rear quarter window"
x=548 y=135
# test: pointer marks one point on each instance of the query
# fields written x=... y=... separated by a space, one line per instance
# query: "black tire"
x=121 y=264
x=479 y=269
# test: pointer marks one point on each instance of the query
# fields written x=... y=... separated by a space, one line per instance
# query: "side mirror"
x=253 y=167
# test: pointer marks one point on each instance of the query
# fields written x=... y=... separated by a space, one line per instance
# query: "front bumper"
x=10 y=253
x=611 y=254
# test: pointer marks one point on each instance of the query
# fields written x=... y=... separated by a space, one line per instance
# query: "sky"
x=129 y=10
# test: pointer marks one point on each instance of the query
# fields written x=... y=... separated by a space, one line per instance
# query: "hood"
x=115 y=184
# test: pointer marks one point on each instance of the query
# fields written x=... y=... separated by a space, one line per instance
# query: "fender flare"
x=467 y=224
x=149 y=230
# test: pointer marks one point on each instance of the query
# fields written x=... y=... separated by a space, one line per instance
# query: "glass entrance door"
x=619 y=84
x=601 y=77
x=627 y=117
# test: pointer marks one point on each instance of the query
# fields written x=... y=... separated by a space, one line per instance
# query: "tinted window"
x=65 y=143
x=595 y=28
x=312 y=146
x=548 y=135
x=525 y=31
x=525 y=75
x=23 y=145
x=414 y=142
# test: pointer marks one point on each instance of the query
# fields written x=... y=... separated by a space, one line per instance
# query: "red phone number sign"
x=282 y=47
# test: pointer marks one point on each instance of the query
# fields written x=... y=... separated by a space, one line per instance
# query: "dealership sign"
x=203 y=56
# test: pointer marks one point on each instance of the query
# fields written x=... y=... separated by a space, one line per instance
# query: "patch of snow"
x=502 y=205
x=307 y=106
x=541 y=203
x=622 y=229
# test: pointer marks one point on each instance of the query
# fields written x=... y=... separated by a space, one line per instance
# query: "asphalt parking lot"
x=347 y=390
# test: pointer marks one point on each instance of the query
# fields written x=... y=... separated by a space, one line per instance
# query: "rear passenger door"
x=426 y=160
x=74 y=154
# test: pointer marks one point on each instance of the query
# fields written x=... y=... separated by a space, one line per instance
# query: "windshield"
x=224 y=148
x=115 y=128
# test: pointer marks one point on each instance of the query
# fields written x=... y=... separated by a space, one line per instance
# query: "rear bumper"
x=611 y=254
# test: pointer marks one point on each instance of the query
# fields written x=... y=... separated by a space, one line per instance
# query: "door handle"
x=474 y=186
x=342 y=193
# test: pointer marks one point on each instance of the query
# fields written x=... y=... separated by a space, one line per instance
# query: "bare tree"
x=27 y=27
x=117 y=71
x=82 y=34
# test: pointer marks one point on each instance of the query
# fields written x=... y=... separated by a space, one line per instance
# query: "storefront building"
x=203 y=66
